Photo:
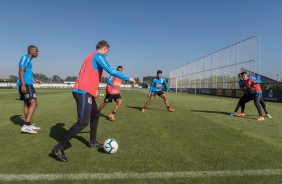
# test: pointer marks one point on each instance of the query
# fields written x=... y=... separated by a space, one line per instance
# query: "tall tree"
x=71 y=78
x=13 y=78
x=57 y=79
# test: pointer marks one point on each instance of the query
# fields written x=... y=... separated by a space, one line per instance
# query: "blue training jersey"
x=25 y=62
x=157 y=85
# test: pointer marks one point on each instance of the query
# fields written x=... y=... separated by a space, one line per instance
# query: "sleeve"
x=23 y=61
x=256 y=79
x=166 y=85
x=241 y=84
x=110 y=81
x=102 y=61
x=151 y=86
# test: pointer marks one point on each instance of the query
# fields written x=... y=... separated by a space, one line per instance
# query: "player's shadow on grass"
x=17 y=120
x=58 y=131
x=105 y=116
x=212 y=112
x=139 y=108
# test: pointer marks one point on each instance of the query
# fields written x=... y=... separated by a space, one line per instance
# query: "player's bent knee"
x=82 y=123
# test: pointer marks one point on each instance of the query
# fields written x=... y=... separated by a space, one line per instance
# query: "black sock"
x=27 y=123
x=113 y=112
x=167 y=107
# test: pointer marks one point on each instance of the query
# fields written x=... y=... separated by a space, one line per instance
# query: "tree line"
x=57 y=79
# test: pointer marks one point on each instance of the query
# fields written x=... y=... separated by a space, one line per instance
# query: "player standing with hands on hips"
x=84 y=92
x=156 y=88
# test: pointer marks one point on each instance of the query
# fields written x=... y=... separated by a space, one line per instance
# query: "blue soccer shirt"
x=25 y=62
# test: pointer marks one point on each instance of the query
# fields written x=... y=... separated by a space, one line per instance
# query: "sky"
x=144 y=36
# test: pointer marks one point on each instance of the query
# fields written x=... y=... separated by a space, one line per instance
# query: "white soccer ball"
x=110 y=146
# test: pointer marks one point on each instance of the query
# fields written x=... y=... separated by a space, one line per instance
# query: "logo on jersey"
x=89 y=100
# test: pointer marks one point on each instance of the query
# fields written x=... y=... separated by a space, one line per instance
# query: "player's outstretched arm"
x=166 y=86
x=102 y=61
x=132 y=80
x=37 y=81
x=110 y=81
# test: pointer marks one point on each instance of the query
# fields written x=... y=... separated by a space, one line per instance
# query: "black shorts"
x=30 y=93
x=110 y=97
x=159 y=93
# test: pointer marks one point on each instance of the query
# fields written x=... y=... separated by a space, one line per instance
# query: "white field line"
x=133 y=175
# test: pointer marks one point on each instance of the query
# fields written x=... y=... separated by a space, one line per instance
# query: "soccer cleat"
x=240 y=114
x=268 y=115
x=170 y=110
x=96 y=145
x=112 y=117
x=60 y=155
x=233 y=114
x=28 y=129
x=33 y=127
x=143 y=109
x=260 y=118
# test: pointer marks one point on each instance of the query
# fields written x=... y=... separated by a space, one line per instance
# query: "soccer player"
x=252 y=84
x=113 y=92
x=245 y=94
x=84 y=92
x=156 y=89
x=26 y=89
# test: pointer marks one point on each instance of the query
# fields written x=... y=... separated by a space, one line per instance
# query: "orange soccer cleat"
x=112 y=117
x=143 y=109
x=260 y=118
x=170 y=110
x=240 y=114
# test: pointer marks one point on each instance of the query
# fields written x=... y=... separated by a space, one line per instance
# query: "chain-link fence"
x=219 y=69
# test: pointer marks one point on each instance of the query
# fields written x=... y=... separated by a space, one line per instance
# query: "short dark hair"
x=30 y=47
x=159 y=71
x=243 y=73
x=120 y=67
x=101 y=44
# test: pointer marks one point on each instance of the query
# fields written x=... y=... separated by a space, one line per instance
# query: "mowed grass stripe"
x=132 y=175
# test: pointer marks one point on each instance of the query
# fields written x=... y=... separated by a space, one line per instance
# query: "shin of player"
x=156 y=89
x=113 y=92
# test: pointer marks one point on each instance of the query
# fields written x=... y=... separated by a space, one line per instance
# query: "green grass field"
x=199 y=136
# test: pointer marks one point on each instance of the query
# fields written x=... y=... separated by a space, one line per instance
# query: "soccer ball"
x=110 y=146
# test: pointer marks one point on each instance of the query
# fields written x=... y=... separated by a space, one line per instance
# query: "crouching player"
x=156 y=89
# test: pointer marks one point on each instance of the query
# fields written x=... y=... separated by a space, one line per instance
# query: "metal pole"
x=176 y=85
x=259 y=55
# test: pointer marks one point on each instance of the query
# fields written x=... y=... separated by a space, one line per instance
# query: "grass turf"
x=199 y=136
